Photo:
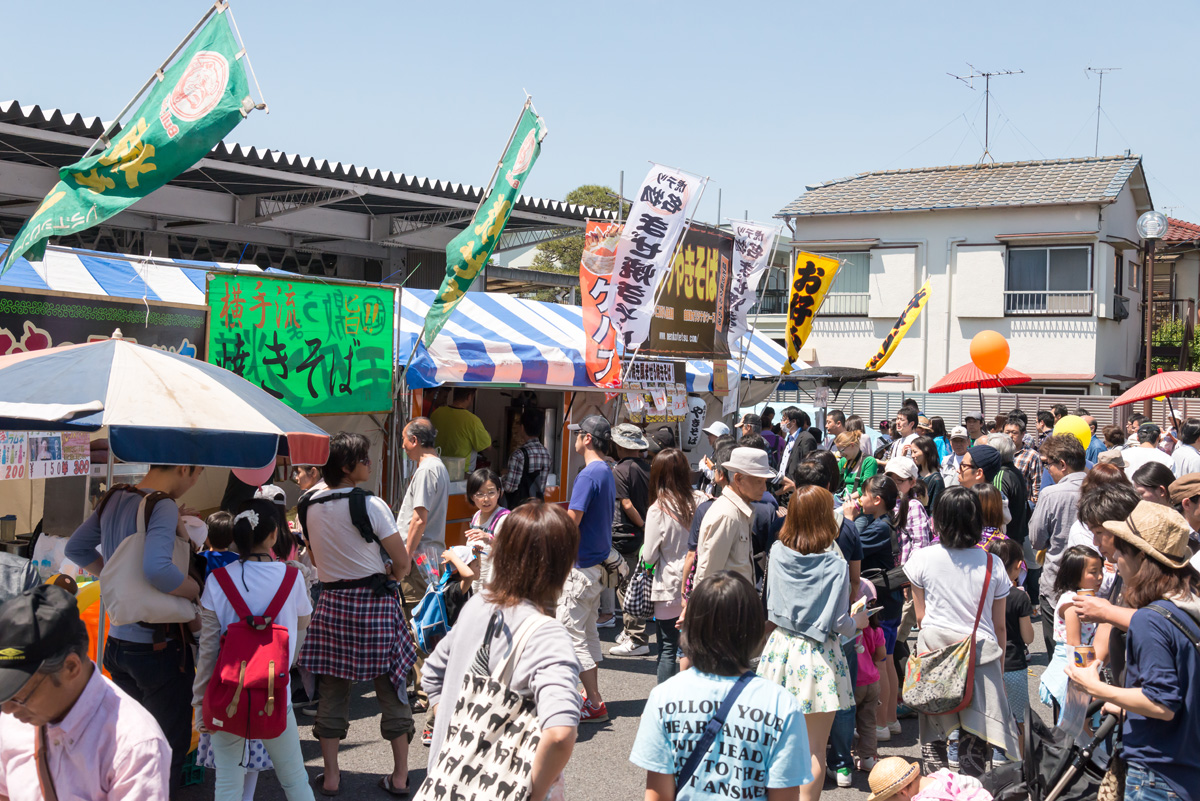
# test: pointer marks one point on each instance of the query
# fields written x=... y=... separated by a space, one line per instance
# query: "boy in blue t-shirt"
x=593 y=501
x=220 y=541
x=763 y=744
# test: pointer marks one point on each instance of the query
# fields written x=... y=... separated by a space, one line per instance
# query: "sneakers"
x=593 y=714
x=843 y=778
x=894 y=727
x=883 y=734
x=628 y=648
x=427 y=736
x=904 y=711
x=866 y=763
x=607 y=624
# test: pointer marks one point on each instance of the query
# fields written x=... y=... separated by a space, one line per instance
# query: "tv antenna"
x=969 y=80
x=1099 y=94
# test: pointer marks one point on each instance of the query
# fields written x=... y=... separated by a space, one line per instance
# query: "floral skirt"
x=817 y=674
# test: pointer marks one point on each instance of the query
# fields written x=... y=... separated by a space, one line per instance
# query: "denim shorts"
x=890 y=627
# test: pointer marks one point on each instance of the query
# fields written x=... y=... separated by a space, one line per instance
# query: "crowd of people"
x=780 y=581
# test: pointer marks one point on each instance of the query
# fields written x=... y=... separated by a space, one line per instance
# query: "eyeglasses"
x=965 y=465
x=22 y=702
x=486 y=495
x=366 y=461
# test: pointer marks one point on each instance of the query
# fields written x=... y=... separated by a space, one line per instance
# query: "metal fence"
x=876 y=405
x=1048 y=302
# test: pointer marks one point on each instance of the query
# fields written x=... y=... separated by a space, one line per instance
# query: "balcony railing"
x=1018 y=303
x=846 y=304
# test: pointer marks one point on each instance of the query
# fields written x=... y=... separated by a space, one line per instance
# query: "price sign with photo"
x=14 y=455
x=53 y=455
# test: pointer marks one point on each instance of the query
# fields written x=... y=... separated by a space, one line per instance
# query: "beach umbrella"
x=159 y=407
x=970 y=377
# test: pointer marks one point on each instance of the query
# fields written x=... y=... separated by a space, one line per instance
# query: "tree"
x=563 y=255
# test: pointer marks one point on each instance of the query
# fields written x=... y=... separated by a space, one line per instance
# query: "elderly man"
x=1012 y=484
x=1147 y=450
x=724 y=542
x=959 y=442
x=65 y=730
x=1057 y=508
x=1096 y=445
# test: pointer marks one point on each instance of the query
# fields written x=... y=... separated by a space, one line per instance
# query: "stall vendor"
x=460 y=433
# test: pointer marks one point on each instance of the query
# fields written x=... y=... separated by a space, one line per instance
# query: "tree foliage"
x=562 y=255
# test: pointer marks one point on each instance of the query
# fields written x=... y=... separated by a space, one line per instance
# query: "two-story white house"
x=1045 y=252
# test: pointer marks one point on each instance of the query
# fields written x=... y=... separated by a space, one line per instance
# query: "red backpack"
x=248 y=694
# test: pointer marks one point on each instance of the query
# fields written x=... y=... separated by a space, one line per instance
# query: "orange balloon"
x=989 y=352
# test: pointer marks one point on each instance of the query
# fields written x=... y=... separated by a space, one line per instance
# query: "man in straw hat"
x=898 y=779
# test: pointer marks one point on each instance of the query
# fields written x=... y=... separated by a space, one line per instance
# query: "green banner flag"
x=194 y=103
x=468 y=252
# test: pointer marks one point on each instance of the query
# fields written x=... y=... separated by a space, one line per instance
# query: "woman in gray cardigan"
x=808 y=600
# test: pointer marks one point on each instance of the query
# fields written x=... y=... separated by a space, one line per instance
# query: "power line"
x=969 y=80
x=1099 y=94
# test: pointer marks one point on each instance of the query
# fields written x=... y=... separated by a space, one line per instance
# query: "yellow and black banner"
x=811 y=278
x=909 y=316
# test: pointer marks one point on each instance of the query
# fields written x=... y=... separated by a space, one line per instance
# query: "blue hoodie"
x=809 y=594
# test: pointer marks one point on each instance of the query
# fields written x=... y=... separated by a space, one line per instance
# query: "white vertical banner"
x=656 y=220
x=752 y=245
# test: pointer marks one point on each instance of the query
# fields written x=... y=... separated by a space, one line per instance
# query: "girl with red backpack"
x=253 y=616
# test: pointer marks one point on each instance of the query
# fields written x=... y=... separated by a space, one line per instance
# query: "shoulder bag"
x=128 y=595
x=941 y=682
x=894 y=578
x=494 y=731
x=710 y=732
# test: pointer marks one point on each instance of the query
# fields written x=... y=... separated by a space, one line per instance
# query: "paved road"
x=599 y=770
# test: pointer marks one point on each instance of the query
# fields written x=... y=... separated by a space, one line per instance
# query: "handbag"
x=494 y=731
x=127 y=594
x=710 y=732
x=941 y=682
x=894 y=578
x=638 y=602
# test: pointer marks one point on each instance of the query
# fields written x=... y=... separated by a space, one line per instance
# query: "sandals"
x=318 y=784
x=385 y=784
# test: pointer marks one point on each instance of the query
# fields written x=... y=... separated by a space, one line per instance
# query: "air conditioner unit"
x=1120 y=307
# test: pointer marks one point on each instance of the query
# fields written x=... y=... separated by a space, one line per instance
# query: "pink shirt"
x=107 y=746
x=871 y=638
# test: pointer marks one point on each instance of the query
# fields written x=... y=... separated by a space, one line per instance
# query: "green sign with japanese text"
x=195 y=102
x=319 y=348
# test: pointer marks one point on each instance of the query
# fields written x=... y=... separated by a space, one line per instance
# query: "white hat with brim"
x=749 y=461
x=717 y=429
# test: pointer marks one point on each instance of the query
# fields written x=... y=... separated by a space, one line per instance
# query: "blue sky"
x=762 y=97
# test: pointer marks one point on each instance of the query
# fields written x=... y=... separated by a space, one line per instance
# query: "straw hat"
x=890 y=776
x=1158 y=531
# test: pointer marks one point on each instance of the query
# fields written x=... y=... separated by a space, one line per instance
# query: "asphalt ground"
x=599 y=768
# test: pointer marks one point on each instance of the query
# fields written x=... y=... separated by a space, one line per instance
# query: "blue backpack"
x=430 y=618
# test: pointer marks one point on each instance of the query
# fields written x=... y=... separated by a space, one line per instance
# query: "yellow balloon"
x=1161 y=398
x=1076 y=425
x=88 y=595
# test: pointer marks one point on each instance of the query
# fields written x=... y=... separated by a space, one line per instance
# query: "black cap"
x=595 y=425
x=987 y=459
x=37 y=625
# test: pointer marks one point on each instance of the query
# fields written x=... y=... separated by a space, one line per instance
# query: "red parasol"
x=970 y=377
x=1158 y=384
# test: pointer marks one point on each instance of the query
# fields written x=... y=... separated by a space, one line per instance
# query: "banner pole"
x=250 y=67
x=500 y=161
x=219 y=5
x=762 y=293
x=663 y=281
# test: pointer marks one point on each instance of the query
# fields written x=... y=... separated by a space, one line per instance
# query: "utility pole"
x=969 y=80
x=1099 y=94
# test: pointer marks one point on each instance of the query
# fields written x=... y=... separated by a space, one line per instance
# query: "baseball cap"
x=717 y=429
x=959 y=432
x=901 y=467
x=749 y=418
x=973 y=416
x=35 y=626
x=750 y=462
x=595 y=425
x=1186 y=486
x=272 y=493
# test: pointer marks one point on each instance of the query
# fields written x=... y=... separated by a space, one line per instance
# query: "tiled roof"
x=1017 y=183
x=53 y=120
x=1181 y=231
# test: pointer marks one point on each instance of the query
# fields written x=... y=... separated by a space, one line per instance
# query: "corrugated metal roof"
x=1017 y=183
x=51 y=119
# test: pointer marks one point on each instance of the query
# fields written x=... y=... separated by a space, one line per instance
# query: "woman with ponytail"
x=257 y=576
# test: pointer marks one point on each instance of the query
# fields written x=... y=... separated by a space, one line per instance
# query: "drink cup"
x=1084 y=655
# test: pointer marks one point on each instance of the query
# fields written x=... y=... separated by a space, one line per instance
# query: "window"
x=851 y=290
x=1135 y=275
x=1118 y=273
x=1048 y=281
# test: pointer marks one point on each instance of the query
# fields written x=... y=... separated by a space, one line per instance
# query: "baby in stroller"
x=900 y=780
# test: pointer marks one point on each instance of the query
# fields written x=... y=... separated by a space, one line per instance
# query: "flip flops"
x=385 y=784
x=318 y=784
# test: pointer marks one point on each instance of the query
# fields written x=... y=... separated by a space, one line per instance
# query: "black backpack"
x=358 y=511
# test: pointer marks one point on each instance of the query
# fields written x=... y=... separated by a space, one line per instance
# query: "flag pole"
x=262 y=101
x=762 y=293
x=219 y=5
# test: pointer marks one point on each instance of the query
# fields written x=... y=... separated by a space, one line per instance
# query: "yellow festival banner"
x=909 y=316
x=811 y=279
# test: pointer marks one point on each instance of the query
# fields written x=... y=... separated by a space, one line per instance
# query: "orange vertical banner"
x=595 y=282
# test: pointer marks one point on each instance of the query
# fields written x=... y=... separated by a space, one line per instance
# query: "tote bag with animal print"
x=493 y=732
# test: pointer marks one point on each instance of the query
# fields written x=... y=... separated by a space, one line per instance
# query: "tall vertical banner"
x=194 y=104
x=468 y=252
x=752 y=243
x=596 y=290
x=647 y=245
x=909 y=316
x=811 y=279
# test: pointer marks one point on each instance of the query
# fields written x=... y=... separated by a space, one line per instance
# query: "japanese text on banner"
x=596 y=291
x=14 y=455
x=752 y=246
x=892 y=341
x=645 y=249
x=811 y=279
x=321 y=349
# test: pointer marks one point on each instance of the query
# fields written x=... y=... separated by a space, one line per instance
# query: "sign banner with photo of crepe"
x=596 y=292
x=909 y=316
x=811 y=279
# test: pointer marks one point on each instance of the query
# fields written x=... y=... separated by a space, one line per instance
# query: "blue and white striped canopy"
x=496 y=338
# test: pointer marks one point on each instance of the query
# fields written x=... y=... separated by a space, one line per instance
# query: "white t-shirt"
x=341 y=552
x=897 y=448
x=258 y=582
x=1137 y=456
x=953 y=580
